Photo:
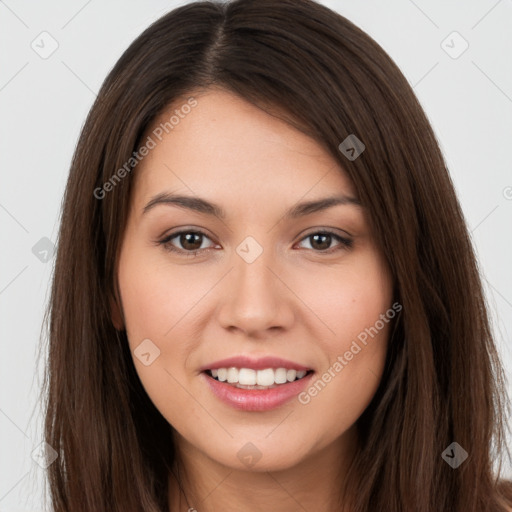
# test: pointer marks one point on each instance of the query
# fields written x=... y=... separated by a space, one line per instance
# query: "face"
x=279 y=289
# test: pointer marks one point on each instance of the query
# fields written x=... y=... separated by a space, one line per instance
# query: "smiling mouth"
x=247 y=378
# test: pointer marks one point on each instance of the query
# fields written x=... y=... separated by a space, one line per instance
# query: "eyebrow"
x=200 y=205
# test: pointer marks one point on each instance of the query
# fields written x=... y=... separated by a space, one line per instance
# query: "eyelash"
x=345 y=243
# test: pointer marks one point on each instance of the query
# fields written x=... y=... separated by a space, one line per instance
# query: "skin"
x=294 y=301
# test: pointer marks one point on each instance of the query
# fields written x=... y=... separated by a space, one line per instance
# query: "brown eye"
x=188 y=243
x=321 y=241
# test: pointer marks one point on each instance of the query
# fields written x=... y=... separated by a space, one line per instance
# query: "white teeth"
x=232 y=375
x=265 y=377
x=291 y=374
x=249 y=377
x=280 y=377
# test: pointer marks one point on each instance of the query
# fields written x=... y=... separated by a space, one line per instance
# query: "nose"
x=256 y=298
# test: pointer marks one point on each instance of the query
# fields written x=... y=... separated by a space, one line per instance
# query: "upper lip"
x=256 y=364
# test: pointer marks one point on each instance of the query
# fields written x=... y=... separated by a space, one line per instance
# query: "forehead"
x=227 y=148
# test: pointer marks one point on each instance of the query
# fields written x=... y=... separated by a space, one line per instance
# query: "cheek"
x=154 y=295
x=347 y=299
x=356 y=306
x=153 y=304
x=345 y=386
x=161 y=303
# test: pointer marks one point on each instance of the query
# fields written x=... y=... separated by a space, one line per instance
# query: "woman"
x=265 y=296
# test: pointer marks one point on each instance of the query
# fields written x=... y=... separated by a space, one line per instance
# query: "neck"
x=315 y=483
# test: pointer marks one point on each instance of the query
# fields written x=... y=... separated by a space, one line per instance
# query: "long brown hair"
x=443 y=381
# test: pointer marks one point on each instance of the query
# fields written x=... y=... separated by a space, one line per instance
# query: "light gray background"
x=44 y=103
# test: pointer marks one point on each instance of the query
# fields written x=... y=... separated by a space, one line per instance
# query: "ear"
x=116 y=315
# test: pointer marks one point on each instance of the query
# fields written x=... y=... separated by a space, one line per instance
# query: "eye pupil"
x=324 y=237
x=186 y=240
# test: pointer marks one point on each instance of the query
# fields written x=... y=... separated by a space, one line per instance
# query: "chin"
x=259 y=457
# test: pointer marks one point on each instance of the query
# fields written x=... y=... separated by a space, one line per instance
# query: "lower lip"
x=256 y=399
